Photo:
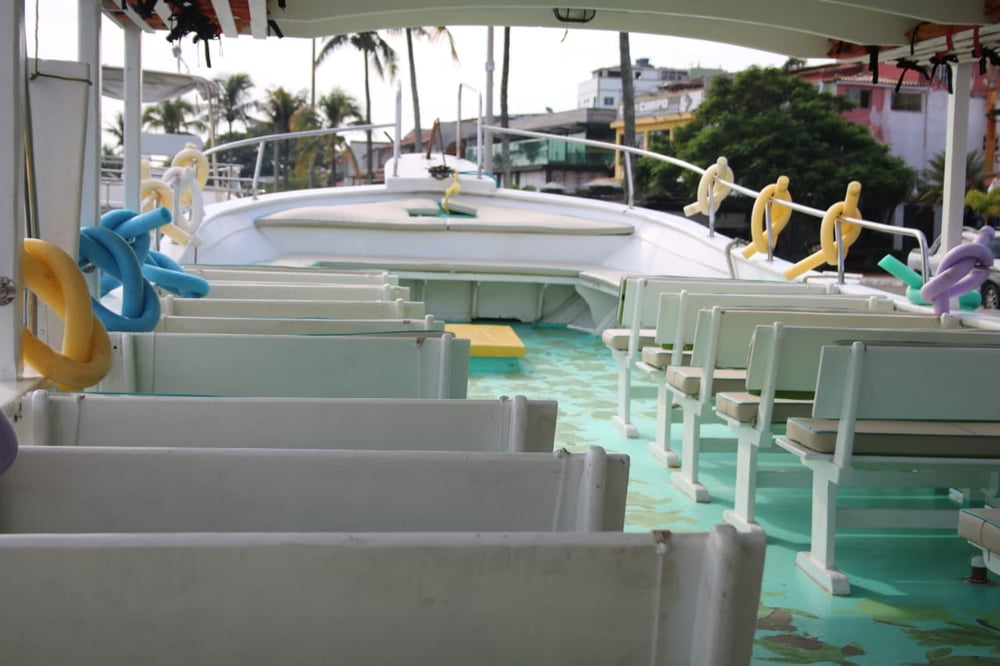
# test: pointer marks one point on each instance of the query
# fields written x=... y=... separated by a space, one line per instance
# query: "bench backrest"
x=505 y=425
x=252 y=307
x=417 y=364
x=725 y=333
x=292 y=326
x=640 y=295
x=907 y=382
x=307 y=291
x=788 y=356
x=375 y=599
x=119 y=489
x=678 y=313
x=277 y=274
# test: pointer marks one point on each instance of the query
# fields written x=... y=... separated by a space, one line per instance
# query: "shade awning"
x=156 y=86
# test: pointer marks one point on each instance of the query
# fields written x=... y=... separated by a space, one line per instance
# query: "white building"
x=604 y=88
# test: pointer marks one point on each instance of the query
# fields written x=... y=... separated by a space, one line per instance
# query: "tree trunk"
x=504 y=115
x=368 y=121
x=628 y=97
x=418 y=144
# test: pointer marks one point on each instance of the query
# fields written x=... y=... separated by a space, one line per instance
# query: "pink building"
x=911 y=121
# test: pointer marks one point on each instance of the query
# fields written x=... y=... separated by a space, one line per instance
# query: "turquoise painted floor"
x=908 y=603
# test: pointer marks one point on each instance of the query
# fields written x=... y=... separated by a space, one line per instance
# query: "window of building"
x=906 y=101
x=861 y=98
x=609 y=101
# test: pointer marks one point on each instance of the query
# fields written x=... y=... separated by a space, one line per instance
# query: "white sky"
x=546 y=64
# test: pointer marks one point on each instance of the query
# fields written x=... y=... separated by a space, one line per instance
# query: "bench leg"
x=623 y=419
x=686 y=478
x=744 y=502
x=818 y=563
x=660 y=447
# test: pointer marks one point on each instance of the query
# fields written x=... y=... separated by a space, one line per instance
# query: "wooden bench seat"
x=782 y=367
x=160 y=489
x=948 y=438
x=376 y=599
x=411 y=364
x=292 y=325
x=638 y=314
x=513 y=425
x=722 y=340
x=676 y=324
x=255 y=307
x=982 y=528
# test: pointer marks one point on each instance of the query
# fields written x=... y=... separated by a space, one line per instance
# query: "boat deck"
x=908 y=604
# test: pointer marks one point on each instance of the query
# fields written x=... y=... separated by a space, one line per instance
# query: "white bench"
x=408 y=365
x=258 y=273
x=637 y=314
x=719 y=361
x=372 y=424
x=871 y=428
x=237 y=307
x=982 y=528
x=292 y=326
x=372 y=599
x=781 y=381
x=676 y=322
x=129 y=489
x=307 y=291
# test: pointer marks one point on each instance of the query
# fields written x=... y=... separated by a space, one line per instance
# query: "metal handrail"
x=262 y=141
x=479 y=127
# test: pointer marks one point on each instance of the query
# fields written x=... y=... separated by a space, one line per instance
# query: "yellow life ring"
x=828 y=243
x=192 y=157
x=155 y=193
x=780 y=215
x=710 y=181
x=54 y=277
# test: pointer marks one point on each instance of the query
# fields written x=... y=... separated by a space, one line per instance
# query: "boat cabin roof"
x=840 y=29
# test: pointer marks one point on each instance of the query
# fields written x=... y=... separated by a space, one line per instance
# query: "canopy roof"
x=156 y=86
x=800 y=28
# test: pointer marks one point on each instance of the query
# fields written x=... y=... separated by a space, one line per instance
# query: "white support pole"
x=956 y=147
x=488 y=140
x=133 y=115
x=12 y=113
x=88 y=38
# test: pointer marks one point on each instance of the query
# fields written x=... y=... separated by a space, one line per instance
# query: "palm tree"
x=171 y=115
x=378 y=54
x=117 y=129
x=628 y=93
x=431 y=34
x=338 y=107
x=335 y=108
x=930 y=183
x=235 y=99
x=279 y=106
x=504 y=112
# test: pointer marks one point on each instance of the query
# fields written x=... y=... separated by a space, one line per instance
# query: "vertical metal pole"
x=397 y=140
x=133 y=116
x=956 y=146
x=488 y=138
x=88 y=38
x=12 y=113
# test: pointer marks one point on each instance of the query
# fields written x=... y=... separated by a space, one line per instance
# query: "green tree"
x=432 y=35
x=117 y=130
x=235 y=99
x=378 y=55
x=172 y=116
x=278 y=107
x=768 y=123
x=338 y=107
x=930 y=183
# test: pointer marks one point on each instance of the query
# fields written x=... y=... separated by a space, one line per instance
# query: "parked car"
x=990 y=289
